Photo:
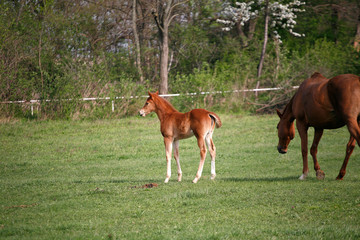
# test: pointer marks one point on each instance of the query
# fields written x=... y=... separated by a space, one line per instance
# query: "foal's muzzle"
x=142 y=113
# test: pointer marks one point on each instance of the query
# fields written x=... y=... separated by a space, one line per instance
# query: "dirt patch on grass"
x=148 y=185
x=22 y=206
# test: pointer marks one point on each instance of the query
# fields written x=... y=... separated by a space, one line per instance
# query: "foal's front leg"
x=168 y=150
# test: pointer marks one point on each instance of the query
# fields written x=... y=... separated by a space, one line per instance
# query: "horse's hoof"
x=166 y=180
x=303 y=176
x=213 y=176
x=320 y=175
x=179 y=178
x=339 y=177
x=195 y=180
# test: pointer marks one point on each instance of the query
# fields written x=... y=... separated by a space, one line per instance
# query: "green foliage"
x=55 y=51
x=76 y=180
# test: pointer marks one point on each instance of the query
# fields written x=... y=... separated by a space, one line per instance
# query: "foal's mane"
x=163 y=103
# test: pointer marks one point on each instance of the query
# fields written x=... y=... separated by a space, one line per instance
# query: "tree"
x=276 y=15
x=348 y=10
x=163 y=14
x=137 y=41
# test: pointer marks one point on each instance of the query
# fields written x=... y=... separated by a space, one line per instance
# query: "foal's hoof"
x=166 y=180
x=195 y=180
x=213 y=176
x=320 y=175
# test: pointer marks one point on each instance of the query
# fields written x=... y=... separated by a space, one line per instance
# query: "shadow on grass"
x=263 y=179
x=118 y=181
x=285 y=179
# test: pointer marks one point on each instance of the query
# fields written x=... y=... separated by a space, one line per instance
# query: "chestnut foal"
x=175 y=126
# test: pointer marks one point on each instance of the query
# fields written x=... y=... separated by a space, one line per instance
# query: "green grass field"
x=76 y=180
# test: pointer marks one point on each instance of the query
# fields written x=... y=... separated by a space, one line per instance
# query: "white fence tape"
x=162 y=95
x=144 y=96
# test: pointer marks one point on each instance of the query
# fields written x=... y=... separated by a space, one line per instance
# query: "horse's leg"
x=353 y=127
x=349 y=149
x=313 y=151
x=201 y=144
x=176 y=156
x=302 y=129
x=212 y=150
x=168 y=149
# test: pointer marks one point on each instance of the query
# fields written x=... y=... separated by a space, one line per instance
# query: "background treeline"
x=60 y=49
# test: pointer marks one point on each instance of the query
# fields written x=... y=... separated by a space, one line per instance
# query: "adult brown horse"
x=175 y=126
x=322 y=104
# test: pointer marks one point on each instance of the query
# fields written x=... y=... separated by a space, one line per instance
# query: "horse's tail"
x=216 y=118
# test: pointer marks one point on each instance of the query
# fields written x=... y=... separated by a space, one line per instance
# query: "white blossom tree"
x=277 y=15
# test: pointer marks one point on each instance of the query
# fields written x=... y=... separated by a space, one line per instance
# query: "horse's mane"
x=288 y=109
x=163 y=103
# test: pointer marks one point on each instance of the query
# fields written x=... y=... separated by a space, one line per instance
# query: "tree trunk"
x=163 y=18
x=262 y=56
x=39 y=61
x=137 y=42
x=277 y=51
x=164 y=60
x=246 y=37
x=357 y=36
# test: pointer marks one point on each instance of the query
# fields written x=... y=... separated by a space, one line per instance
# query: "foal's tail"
x=216 y=119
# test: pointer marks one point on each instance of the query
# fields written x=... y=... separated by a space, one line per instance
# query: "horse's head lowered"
x=286 y=132
x=149 y=105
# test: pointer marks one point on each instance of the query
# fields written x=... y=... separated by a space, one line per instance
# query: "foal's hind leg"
x=212 y=150
x=201 y=144
x=176 y=156
x=349 y=149
x=168 y=149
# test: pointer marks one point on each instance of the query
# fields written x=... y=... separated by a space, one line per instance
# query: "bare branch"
x=173 y=18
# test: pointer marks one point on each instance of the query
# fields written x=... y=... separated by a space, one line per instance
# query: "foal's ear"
x=279 y=113
x=150 y=94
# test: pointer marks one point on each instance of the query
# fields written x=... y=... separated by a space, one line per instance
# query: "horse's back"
x=344 y=84
x=311 y=101
x=344 y=93
x=319 y=101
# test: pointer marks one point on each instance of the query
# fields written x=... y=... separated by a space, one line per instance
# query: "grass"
x=76 y=180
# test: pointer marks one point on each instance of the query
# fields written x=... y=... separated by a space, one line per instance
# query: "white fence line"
x=220 y=92
x=161 y=95
x=144 y=96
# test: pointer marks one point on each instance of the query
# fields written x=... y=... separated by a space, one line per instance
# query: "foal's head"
x=149 y=105
x=286 y=132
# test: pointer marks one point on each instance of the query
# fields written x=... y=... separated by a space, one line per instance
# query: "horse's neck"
x=163 y=108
